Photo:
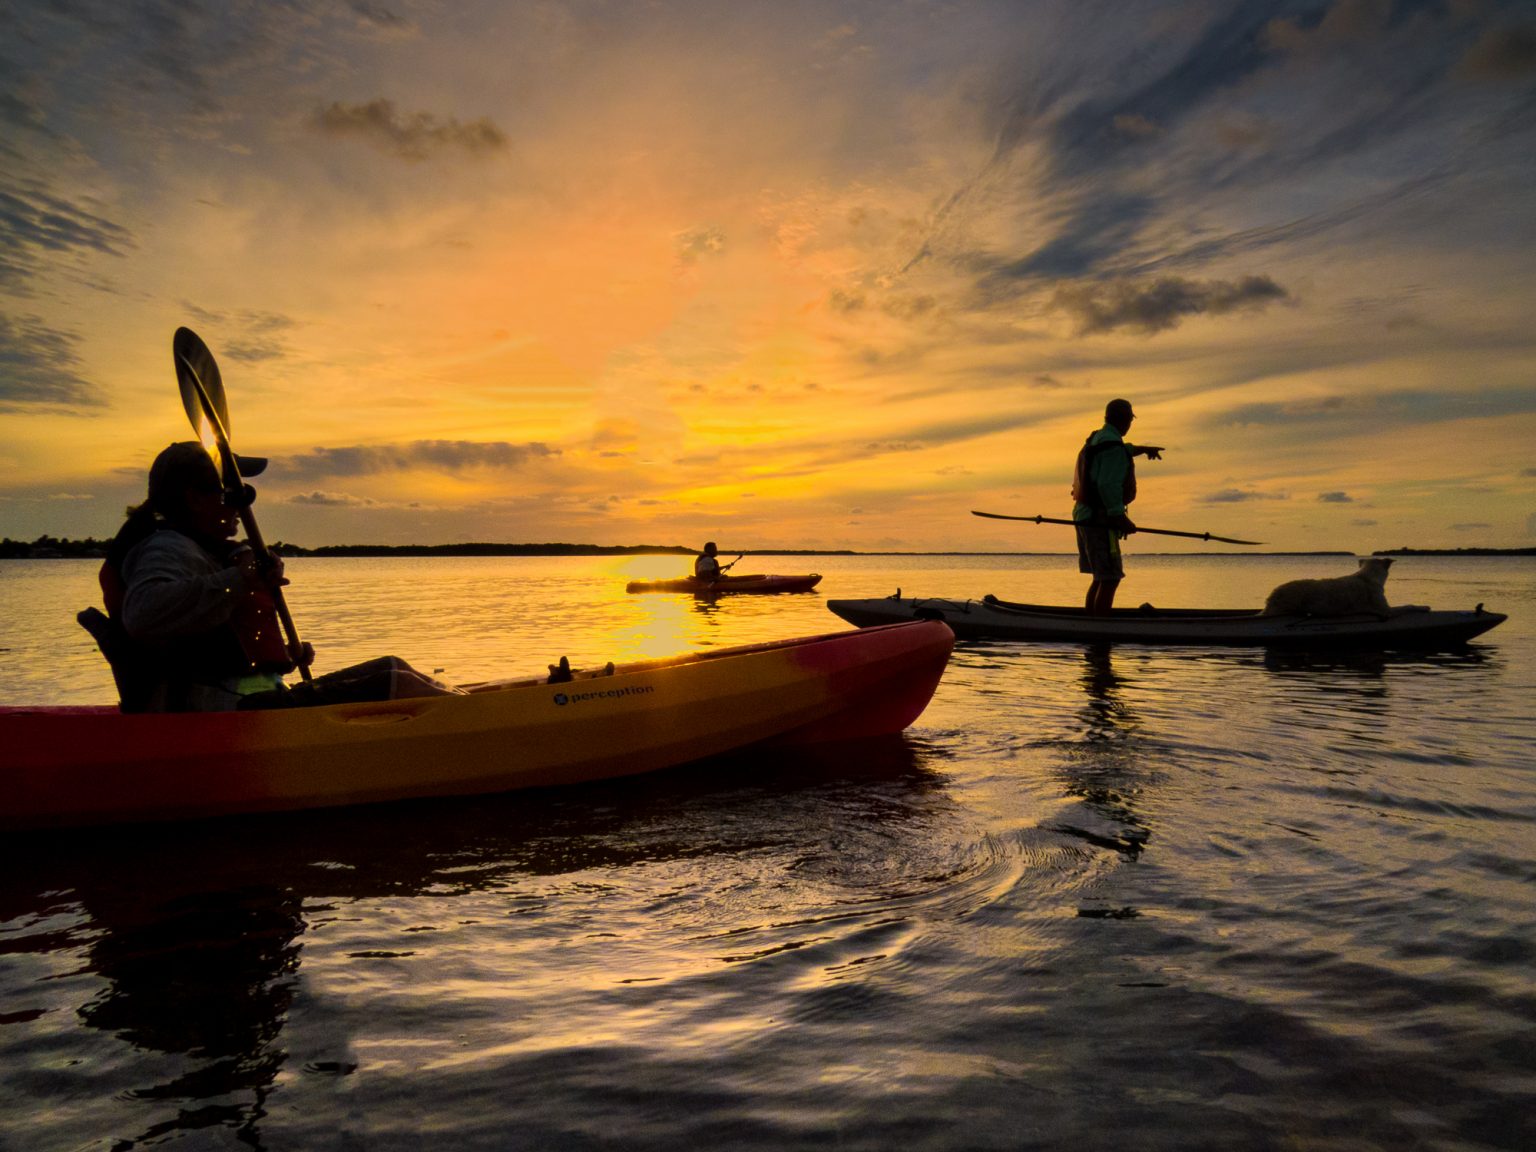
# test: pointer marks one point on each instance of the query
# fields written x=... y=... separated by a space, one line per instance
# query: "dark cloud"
x=1503 y=53
x=17 y=110
x=1119 y=158
x=1471 y=526
x=1094 y=145
x=700 y=243
x=251 y=337
x=1093 y=231
x=1528 y=471
x=1345 y=22
x=1335 y=498
x=39 y=367
x=36 y=227
x=428 y=455
x=1382 y=410
x=1240 y=496
x=412 y=136
x=331 y=500
x=1224 y=55
x=908 y=307
x=1156 y=305
x=381 y=21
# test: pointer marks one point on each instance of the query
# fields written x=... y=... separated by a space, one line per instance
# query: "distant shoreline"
x=51 y=548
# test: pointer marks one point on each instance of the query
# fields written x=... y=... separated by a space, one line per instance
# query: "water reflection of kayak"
x=728 y=584
x=96 y=765
x=994 y=619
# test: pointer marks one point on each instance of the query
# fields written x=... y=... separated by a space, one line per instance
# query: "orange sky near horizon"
x=821 y=277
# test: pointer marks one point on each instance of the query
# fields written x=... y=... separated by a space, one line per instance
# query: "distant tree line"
x=55 y=547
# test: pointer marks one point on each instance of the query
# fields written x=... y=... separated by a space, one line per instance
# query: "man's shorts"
x=1098 y=552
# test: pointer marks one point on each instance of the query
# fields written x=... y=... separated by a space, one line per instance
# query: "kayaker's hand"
x=306 y=654
x=1122 y=524
x=272 y=571
x=1150 y=452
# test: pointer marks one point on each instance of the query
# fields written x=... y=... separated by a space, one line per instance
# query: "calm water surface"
x=1115 y=898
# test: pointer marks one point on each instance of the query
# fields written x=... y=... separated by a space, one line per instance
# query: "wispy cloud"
x=1158 y=305
x=39 y=367
x=331 y=500
x=411 y=136
x=38 y=226
x=249 y=336
x=429 y=455
x=1395 y=408
x=1503 y=52
x=1240 y=496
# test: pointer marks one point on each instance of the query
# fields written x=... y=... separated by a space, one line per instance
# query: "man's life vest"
x=1085 y=489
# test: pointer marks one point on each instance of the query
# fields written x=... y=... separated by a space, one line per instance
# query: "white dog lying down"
x=1363 y=593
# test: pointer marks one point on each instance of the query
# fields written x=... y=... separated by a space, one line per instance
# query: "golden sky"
x=805 y=275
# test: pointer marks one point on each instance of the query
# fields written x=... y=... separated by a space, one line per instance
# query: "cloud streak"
x=1382 y=409
x=1163 y=303
x=409 y=136
x=450 y=456
x=37 y=226
x=39 y=367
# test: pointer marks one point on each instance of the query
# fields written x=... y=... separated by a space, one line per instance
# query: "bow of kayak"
x=95 y=765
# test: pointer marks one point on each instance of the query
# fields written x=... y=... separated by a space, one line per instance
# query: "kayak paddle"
x=202 y=395
x=1154 y=531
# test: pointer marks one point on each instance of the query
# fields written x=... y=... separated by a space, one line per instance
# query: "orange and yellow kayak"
x=95 y=765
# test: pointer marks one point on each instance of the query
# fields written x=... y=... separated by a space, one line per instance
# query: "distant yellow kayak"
x=755 y=583
x=95 y=765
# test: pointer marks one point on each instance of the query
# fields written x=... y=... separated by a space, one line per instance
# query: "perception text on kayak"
x=579 y=697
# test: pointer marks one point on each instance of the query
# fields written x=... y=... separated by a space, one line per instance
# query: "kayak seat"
x=130 y=671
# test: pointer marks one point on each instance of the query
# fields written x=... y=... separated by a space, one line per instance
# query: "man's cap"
x=187 y=464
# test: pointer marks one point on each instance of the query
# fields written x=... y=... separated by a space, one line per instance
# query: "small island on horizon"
x=54 y=548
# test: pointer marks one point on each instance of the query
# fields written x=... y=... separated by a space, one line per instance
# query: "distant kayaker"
x=706 y=566
x=1103 y=484
x=193 y=613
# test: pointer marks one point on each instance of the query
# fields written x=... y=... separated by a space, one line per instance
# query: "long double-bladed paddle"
x=1154 y=531
x=202 y=395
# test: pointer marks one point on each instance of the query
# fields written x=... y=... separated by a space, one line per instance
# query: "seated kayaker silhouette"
x=190 y=623
x=706 y=566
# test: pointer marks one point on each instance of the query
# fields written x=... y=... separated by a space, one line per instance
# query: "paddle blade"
x=195 y=365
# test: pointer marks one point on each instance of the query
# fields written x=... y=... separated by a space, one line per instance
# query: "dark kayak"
x=728 y=584
x=991 y=618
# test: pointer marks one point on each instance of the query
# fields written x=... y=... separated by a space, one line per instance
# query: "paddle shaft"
x=231 y=473
x=1153 y=531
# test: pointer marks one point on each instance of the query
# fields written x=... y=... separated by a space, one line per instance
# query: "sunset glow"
x=814 y=276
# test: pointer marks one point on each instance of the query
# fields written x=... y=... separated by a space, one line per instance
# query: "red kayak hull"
x=95 y=765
